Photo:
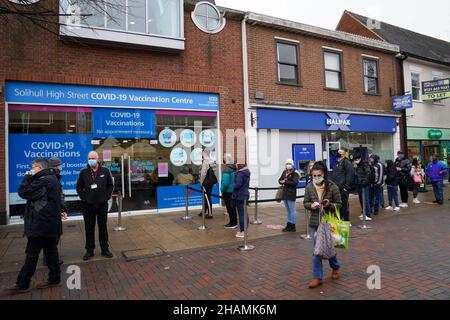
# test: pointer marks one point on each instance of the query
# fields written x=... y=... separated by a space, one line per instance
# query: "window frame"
x=420 y=86
x=340 y=72
x=297 y=65
x=377 y=77
x=221 y=23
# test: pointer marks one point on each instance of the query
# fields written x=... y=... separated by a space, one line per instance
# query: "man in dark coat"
x=404 y=169
x=363 y=177
x=42 y=224
x=95 y=187
x=343 y=177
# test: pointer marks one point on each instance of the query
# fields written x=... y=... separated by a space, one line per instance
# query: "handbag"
x=279 y=194
x=418 y=178
x=324 y=246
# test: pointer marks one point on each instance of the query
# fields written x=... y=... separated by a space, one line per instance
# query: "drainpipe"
x=245 y=80
x=401 y=56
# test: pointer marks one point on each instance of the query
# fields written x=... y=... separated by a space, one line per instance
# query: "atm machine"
x=302 y=154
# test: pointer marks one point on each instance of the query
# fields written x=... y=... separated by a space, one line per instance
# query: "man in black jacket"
x=95 y=187
x=363 y=178
x=343 y=177
x=42 y=224
x=404 y=169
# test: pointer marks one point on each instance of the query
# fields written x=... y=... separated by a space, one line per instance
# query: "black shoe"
x=200 y=214
x=289 y=227
x=440 y=202
x=106 y=253
x=376 y=212
x=17 y=290
x=435 y=201
x=208 y=216
x=230 y=226
x=88 y=255
x=47 y=284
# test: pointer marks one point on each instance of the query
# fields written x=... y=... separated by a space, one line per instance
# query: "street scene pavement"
x=411 y=249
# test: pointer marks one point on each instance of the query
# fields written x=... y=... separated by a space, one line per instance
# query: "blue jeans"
x=382 y=204
x=317 y=261
x=375 y=196
x=241 y=213
x=367 y=199
x=291 y=211
x=393 y=195
x=438 y=189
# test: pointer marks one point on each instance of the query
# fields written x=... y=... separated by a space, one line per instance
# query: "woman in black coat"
x=289 y=180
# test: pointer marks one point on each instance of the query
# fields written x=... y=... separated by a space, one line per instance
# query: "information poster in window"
x=163 y=169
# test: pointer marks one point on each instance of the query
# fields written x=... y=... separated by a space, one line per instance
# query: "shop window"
x=415 y=86
x=370 y=76
x=287 y=58
x=333 y=70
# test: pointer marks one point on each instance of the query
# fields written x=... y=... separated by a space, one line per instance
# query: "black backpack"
x=210 y=179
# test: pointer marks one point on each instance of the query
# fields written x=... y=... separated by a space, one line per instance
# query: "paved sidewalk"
x=411 y=248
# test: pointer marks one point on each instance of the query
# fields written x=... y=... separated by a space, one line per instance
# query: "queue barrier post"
x=256 y=221
x=187 y=216
x=119 y=214
x=203 y=227
x=306 y=236
x=364 y=225
x=246 y=246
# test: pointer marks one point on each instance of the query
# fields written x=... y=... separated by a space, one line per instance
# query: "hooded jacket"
x=363 y=173
x=242 y=184
x=343 y=174
x=436 y=171
x=228 y=176
x=42 y=216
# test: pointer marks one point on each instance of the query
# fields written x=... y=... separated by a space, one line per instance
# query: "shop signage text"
x=338 y=122
x=48 y=93
x=435 y=134
x=436 y=89
x=402 y=102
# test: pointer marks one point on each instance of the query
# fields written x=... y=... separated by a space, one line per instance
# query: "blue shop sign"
x=402 y=102
x=175 y=196
x=72 y=149
x=324 y=121
x=65 y=94
x=124 y=123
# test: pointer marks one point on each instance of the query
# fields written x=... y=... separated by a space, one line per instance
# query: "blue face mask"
x=32 y=172
x=92 y=162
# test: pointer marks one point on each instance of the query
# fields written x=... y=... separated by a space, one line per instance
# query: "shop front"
x=423 y=143
x=152 y=141
x=316 y=136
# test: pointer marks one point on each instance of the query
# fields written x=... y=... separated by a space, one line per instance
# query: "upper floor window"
x=370 y=76
x=154 y=17
x=207 y=17
x=415 y=86
x=333 y=70
x=287 y=59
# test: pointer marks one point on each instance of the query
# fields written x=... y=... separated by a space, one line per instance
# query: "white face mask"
x=357 y=161
x=289 y=166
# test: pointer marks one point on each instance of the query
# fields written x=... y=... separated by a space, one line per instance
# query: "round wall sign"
x=178 y=157
x=167 y=138
x=196 y=156
x=188 y=138
x=207 y=138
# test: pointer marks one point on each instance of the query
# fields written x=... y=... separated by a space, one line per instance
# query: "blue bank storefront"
x=313 y=135
x=151 y=140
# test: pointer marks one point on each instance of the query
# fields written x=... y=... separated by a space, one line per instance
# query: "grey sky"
x=430 y=17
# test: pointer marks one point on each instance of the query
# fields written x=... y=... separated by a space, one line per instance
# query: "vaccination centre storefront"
x=317 y=136
x=152 y=141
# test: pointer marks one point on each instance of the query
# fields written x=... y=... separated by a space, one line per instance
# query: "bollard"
x=364 y=226
x=246 y=247
x=203 y=227
x=307 y=235
x=256 y=221
x=119 y=216
x=187 y=216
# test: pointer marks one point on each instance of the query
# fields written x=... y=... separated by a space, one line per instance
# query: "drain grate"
x=136 y=254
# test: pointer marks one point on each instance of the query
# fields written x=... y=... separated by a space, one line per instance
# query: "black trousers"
x=207 y=204
x=91 y=213
x=34 y=247
x=345 y=214
x=404 y=193
x=231 y=207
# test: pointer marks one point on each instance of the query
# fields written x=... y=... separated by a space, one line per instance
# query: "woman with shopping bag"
x=418 y=175
x=321 y=197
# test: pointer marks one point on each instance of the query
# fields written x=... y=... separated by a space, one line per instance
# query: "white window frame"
x=420 y=85
x=222 y=20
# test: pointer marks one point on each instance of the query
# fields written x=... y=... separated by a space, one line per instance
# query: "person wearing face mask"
x=289 y=180
x=309 y=173
x=404 y=170
x=363 y=173
x=321 y=197
x=436 y=171
x=42 y=224
x=343 y=178
x=95 y=187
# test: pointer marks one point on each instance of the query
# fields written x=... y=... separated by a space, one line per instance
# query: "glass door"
x=332 y=149
x=132 y=165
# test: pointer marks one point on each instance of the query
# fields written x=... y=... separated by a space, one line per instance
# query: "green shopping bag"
x=340 y=229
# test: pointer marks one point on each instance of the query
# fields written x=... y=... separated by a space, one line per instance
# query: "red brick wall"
x=351 y=25
x=263 y=74
x=209 y=63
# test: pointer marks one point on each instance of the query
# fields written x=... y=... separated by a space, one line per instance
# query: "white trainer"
x=367 y=218
x=240 y=235
x=416 y=201
x=389 y=208
x=403 y=205
x=397 y=209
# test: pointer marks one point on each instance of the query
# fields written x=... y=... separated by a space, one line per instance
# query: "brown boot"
x=315 y=283
x=335 y=274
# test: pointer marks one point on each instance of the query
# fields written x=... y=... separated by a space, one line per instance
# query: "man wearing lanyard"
x=95 y=187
